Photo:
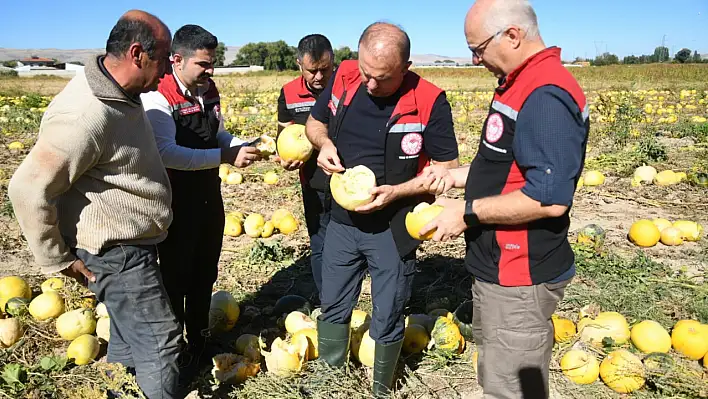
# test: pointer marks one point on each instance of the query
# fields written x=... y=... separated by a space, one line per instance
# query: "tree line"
x=274 y=56
x=661 y=54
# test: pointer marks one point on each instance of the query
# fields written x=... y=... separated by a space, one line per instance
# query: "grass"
x=637 y=287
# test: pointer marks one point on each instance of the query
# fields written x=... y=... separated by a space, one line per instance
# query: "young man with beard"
x=186 y=117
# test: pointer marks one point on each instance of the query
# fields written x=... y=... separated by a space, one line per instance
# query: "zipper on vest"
x=338 y=118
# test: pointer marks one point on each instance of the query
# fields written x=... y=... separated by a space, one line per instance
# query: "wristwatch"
x=471 y=219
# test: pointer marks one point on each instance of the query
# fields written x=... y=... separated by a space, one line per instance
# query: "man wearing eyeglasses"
x=518 y=193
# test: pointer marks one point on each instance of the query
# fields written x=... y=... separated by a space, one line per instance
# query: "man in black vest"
x=315 y=58
x=518 y=193
x=186 y=116
x=375 y=113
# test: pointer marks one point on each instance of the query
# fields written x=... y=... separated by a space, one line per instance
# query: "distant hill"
x=65 y=55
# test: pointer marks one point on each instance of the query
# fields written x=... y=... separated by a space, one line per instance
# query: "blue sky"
x=580 y=28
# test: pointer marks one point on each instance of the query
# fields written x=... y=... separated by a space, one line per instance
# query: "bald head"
x=137 y=26
x=487 y=17
x=502 y=34
x=385 y=40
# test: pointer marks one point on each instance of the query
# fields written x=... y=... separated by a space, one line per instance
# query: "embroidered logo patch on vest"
x=495 y=128
x=190 y=110
x=412 y=143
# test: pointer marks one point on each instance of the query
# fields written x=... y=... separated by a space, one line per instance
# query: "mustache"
x=204 y=76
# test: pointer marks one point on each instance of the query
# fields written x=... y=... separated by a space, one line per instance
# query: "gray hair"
x=502 y=14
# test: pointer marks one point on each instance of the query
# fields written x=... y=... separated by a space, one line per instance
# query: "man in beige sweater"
x=93 y=198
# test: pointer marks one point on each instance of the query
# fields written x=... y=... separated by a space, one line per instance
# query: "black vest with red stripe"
x=196 y=128
x=539 y=251
x=299 y=100
x=404 y=157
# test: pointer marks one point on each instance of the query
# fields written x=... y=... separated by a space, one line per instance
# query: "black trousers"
x=316 y=219
x=189 y=258
x=347 y=255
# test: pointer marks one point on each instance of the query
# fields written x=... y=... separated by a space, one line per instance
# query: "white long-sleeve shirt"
x=174 y=156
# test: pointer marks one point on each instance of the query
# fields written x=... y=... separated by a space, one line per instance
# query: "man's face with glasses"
x=481 y=54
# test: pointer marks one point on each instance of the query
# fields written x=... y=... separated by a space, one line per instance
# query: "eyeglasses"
x=479 y=49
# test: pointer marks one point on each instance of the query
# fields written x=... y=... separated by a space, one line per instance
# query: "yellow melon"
x=234 y=178
x=52 y=284
x=645 y=174
x=279 y=215
x=233 y=369
x=689 y=338
x=644 y=233
x=352 y=188
x=268 y=229
x=288 y=225
x=359 y=317
x=270 y=178
x=691 y=230
x=296 y=321
x=75 y=323
x=10 y=332
x=594 y=178
x=446 y=334
x=266 y=146
x=232 y=226
x=253 y=225
x=311 y=334
x=580 y=367
x=11 y=287
x=293 y=145
x=563 y=329
x=363 y=346
x=649 y=336
x=420 y=216
x=666 y=178
x=286 y=358
x=224 y=171
x=671 y=236
x=606 y=325
x=661 y=223
x=622 y=371
x=415 y=338
x=47 y=306
x=223 y=312
x=83 y=349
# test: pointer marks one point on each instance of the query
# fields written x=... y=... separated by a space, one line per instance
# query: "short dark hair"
x=315 y=45
x=190 y=38
x=404 y=42
x=128 y=31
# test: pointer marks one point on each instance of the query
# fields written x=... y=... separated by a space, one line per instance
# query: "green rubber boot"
x=333 y=343
x=385 y=360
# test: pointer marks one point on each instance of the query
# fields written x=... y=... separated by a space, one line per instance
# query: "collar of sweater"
x=104 y=87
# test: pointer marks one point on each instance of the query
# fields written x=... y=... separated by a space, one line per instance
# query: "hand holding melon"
x=352 y=188
x=293 y=147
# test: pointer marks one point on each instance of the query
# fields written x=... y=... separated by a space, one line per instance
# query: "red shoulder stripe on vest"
x=297 y=95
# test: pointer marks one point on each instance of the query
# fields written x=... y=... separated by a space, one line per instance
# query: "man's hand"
x=246 y=156
x=289 y=165
x=383 y=195
x=450 y=223
x=328 y=159
x=79 y=272
x=439 y=180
